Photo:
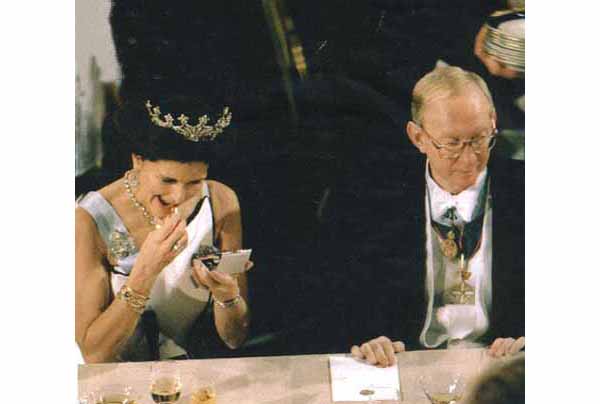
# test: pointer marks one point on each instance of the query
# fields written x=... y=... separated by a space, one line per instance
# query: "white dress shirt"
x=460 y=325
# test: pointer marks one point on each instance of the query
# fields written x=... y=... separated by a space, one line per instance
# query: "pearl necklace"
x=151 y=220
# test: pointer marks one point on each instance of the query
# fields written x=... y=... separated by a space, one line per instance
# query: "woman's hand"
x=223 y=286
x=379 y=351
x=161 y=246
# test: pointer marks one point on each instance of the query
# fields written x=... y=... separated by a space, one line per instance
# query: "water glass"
x=165 y=382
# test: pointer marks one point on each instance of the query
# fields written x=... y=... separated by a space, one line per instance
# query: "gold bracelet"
x=135 y=300
x=229 y=303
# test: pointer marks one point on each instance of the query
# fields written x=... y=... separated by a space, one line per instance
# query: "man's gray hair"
x=444 y=82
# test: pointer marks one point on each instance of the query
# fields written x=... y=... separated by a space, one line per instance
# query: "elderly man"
x=440 y=262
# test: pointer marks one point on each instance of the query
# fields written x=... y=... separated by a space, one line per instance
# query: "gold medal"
x=449 y=247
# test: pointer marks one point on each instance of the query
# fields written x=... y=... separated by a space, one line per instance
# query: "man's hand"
x=379 y=351
x=506 y=346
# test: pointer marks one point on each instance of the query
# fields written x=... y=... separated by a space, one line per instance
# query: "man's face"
x=452 y=120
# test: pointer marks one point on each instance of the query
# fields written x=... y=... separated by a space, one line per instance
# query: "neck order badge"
x=465 y=245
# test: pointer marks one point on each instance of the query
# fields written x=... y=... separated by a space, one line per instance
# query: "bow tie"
x=466 y=206
x=454 y=210
x=451 y=214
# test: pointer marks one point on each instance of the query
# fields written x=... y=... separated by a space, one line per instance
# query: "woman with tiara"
x=141 y=289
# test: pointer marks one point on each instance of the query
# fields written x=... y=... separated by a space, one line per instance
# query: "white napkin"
x=458 y=319
x=350 y=377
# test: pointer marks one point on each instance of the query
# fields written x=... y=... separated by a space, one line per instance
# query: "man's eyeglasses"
x=452 y=150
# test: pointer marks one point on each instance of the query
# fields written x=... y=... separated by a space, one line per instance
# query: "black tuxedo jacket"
x=375 y=243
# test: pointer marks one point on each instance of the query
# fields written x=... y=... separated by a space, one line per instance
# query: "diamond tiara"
x=195 y=133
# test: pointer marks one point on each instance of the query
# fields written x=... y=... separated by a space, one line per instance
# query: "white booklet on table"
x=354 y=380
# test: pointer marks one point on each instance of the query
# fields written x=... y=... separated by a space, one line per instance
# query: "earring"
x=132 y=178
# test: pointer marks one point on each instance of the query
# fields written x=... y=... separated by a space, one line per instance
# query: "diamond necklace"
x=151 y=220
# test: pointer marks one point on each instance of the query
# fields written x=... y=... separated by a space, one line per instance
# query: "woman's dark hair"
x=136 y=131
x=505 y=384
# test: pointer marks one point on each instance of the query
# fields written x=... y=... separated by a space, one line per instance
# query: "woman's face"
x=164 y=185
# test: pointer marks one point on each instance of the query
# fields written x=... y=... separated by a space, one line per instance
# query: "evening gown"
x=175 y=303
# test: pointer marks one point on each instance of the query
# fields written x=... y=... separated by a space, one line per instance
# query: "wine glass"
x=203 y=391
x=89 y=397
x=443 y=386
x=114 y=394
x=165 y=382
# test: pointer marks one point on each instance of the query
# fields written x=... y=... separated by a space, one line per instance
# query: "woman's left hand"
x=223 y=286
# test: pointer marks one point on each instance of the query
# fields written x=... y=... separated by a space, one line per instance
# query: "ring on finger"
x=175 y=246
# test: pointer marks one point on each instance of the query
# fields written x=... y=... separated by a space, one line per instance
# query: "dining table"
x=299 y=379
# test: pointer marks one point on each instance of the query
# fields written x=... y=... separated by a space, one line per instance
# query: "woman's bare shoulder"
x=84 y=221
x=90 y=249
x=223 y=194
x=86 y=230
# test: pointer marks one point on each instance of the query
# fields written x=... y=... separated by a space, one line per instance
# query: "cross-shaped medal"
x=464 y=294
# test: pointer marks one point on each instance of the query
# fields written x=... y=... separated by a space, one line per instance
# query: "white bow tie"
x=466 y=205
x=462 y=206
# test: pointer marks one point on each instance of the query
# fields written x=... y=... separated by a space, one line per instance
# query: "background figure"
x=502 y=384
x=97 y=74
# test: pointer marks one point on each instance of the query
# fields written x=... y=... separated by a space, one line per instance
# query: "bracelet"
x=135 y=300
x=229 y=303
